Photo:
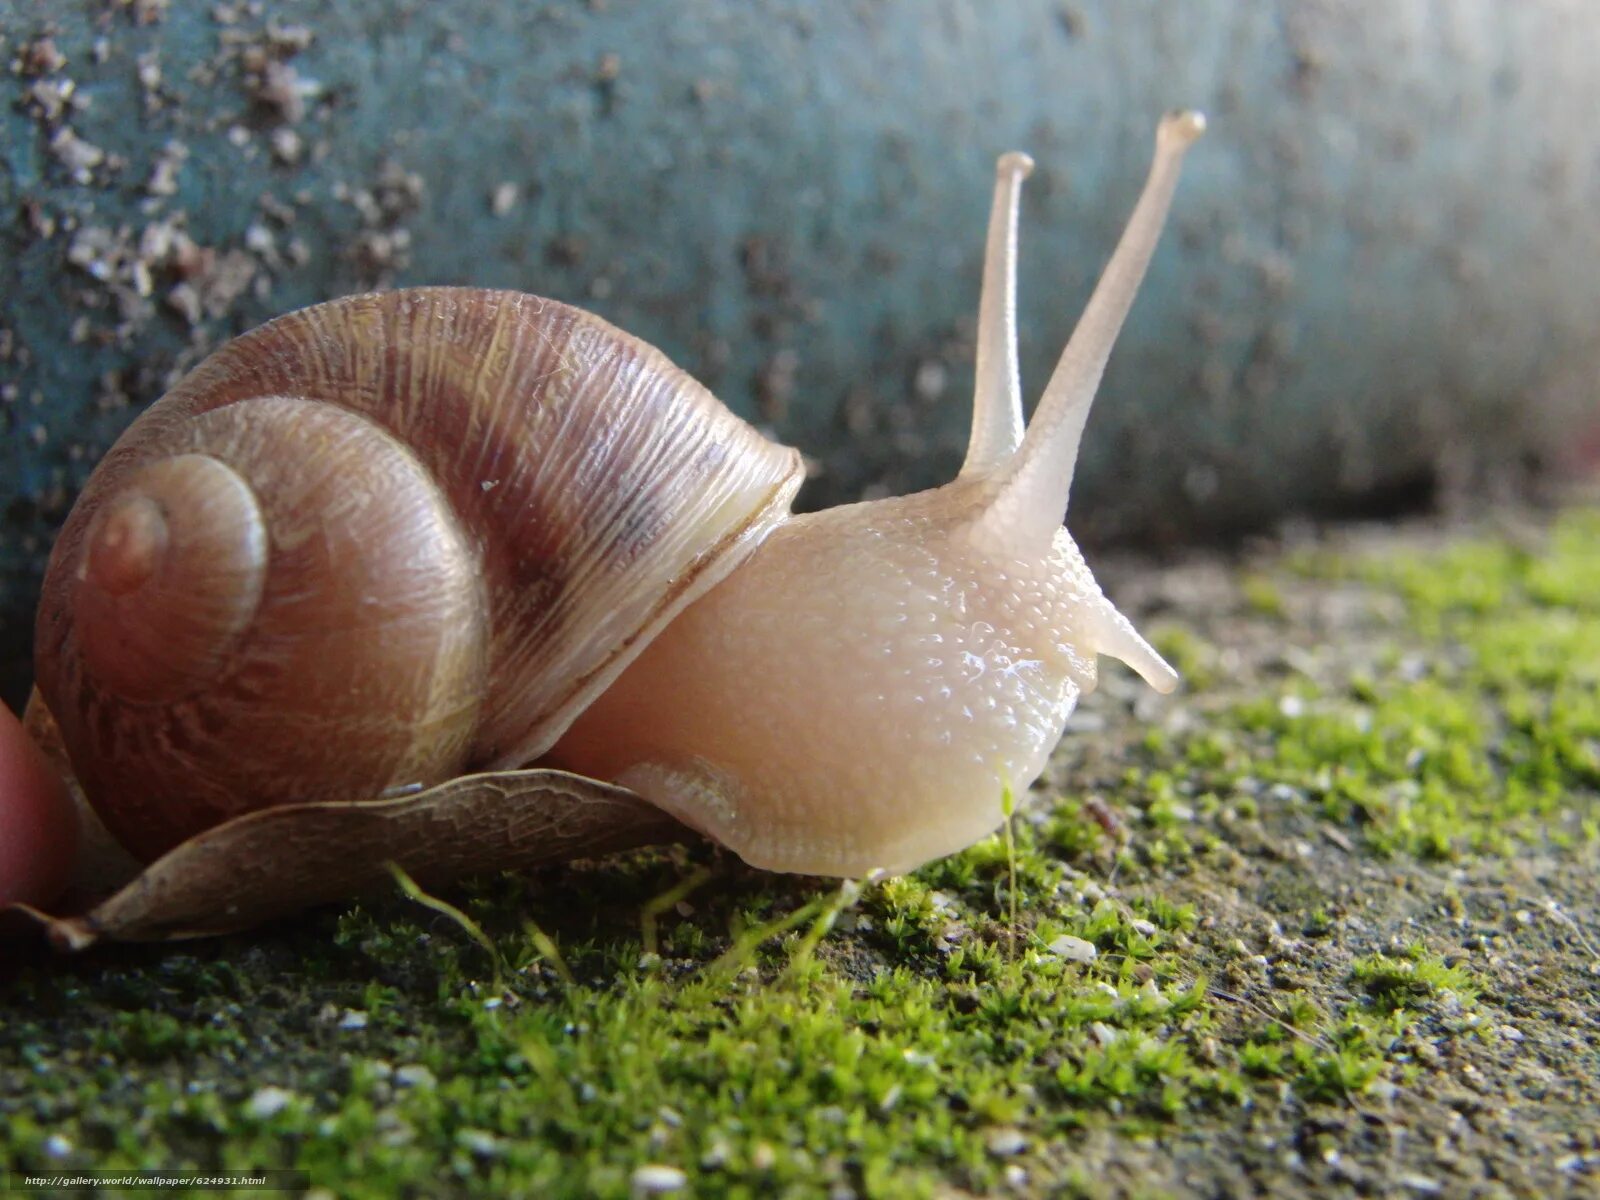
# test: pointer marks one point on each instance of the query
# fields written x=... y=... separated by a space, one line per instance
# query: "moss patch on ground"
x=1326 y=922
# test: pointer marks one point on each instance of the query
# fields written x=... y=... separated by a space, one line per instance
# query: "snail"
x=440 y=534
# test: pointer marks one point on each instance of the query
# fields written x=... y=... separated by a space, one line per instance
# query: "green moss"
x=761 y=1081
x=1395 y=981
x=1486 y=735
x=1326 y=1055
x=791 y=1067
x=1262 y=594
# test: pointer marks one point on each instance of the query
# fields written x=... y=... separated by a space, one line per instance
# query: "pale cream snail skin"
x=401 y=538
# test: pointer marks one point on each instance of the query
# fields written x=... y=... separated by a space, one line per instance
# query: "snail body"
x=398 y=538
x=866 y=663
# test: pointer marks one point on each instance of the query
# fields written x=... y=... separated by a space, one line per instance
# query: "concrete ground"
x=1325 y=923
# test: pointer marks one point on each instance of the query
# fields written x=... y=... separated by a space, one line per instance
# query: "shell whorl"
x=170 y=577
x=300 y=618
x=475 y=509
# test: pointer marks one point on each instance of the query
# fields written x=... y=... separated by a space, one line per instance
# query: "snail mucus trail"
x=404 y=537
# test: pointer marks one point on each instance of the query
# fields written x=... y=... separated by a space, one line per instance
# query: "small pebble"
x=1006 y=1142
x=1073 y=949
x=654 y=1179
x=480 y=1142
x=1103 y=1033
x=716 y=1155
x=1420 y=1184
x=268 y=1102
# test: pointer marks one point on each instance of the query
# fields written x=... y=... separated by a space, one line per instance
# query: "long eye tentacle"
x=1031 y=497
x=997 y=393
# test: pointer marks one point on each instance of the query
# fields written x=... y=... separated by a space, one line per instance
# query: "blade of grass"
x=849 y=892
x=648 y=933
x=471 y=928
x=1008 y=807
x=547 y=947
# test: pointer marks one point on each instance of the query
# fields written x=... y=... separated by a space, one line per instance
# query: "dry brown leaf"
x=280 y=860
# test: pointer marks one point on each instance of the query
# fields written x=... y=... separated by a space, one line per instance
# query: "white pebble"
x=1420 y=1184
x=268 y=1102
x=653 y=1179
x=415 y=1075
x=1073 y=949
x=1006 y=1142
x=480 y=1142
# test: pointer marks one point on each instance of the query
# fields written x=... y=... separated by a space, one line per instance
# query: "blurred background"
x=1379 y=291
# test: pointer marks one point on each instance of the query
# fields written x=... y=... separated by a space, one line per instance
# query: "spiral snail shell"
x=379 y=542
x=398 y=538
